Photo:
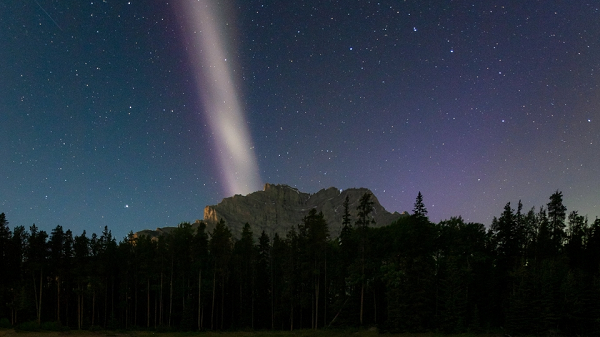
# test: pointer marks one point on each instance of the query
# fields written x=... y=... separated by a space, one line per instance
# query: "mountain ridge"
x=278 y=207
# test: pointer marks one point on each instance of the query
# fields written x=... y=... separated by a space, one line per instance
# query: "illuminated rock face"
x=279 y=207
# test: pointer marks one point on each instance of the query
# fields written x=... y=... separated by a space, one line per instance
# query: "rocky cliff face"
x=279 y=207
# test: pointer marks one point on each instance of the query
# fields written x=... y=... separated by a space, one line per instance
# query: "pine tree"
x=264 y=300
x=200 y=260
x=557 y=213
x=592 y=260
x=506 y=237
x=530 y=231
x=36 y=256
x=291 y=277
x=346 y=221
x=180 y=248
x=279 y=250
x=5 y=237
x=545 y=245
x=58 y=256
x=315 y=227
x=16 y=278
x=419 y=210
x=244 y=261
x=81 y=263
x=364 y=209
x=221 y=248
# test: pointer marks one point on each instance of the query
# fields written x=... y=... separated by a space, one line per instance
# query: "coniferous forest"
x=532 y=271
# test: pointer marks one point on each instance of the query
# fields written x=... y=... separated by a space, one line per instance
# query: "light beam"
x=214 y=72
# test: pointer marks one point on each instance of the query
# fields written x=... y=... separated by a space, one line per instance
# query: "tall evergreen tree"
x=36 y=256
x=221 y=247
x=4 y=241
x=244 y=262
x=364 y=219
x=200 y=260
x=5 y=237
x=317 y=234
x=81 y=265
x=592 y=260
x=58 y=260
x=419 y=211
x=105 y=248
x=180 y=252
x=17 y=300
x=576 y=237
x=531 y=227
x=546 y=247
x=291 y=274
x=279 y=250
x=557 y=213
x=264 y=276
x=346 y=221
x=506 y=238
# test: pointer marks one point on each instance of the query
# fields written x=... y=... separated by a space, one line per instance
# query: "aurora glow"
x=216 y=84
x=169 y=106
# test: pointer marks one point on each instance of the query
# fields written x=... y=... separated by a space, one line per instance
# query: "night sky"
x=137 y=114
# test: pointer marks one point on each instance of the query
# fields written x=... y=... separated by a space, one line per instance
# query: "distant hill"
x=277 y=208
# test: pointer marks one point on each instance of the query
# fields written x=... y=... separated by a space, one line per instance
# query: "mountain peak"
x=278 y=207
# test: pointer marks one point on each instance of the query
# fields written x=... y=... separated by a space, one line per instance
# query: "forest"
x=530 y=272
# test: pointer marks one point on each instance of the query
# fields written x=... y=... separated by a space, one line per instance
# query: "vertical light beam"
x=214 y=72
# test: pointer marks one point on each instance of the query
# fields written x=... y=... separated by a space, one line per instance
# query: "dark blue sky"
x=103 y=120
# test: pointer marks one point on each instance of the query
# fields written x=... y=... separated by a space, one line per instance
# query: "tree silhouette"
x=36 y=257
x=557 y=213
x=531 y=273
x=419 y=210
x=221 y=247
x=5 y=237
x=200 y=260
x=364 y=219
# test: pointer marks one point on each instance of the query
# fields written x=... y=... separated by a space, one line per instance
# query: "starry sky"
x=111 y=114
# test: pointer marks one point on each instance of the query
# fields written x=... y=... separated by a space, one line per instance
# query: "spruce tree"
x=244 y=262
x=220 y=248
x=200 y=261
x=4 y=257
x=365 y=207
x=557 y=213
x=419 y=210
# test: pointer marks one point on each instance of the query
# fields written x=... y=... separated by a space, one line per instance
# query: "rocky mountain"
x=277 y=208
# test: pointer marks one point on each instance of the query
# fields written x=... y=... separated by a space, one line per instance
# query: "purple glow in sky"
x=137 y=114
x=216 y=80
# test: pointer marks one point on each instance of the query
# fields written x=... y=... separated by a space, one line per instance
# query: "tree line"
x=530 y=272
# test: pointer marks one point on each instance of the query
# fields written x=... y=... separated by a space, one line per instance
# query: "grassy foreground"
x=296 y=333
